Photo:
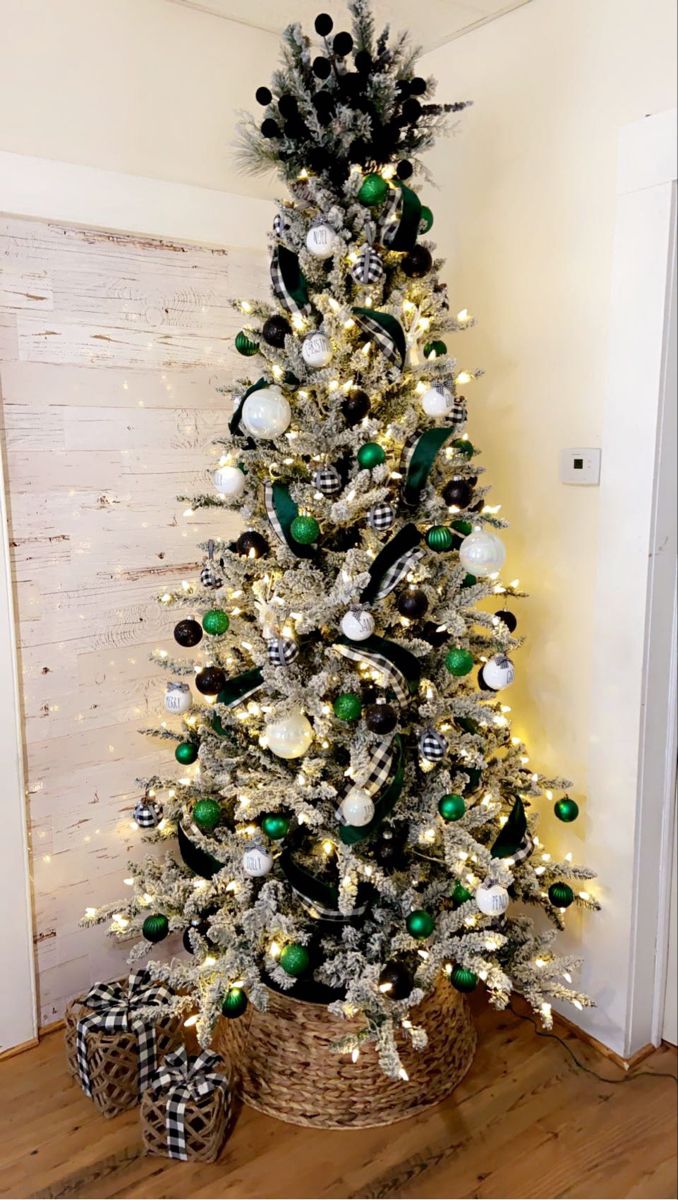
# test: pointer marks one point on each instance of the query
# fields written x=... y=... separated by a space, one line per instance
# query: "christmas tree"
x=355 y=818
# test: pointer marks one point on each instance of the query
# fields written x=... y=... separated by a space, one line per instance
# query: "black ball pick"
x=509 y=619
x=411 y=110
x=342 y=44
x=322 y=68
x=417 y=86
x=263 y=96
x=323 y=24
x=287 y=106
x=363 y=62
x=270 y=128
x=405 y=170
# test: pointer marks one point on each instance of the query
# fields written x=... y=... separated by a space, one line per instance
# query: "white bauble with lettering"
x=256 y=862
x=291 y=736
x=357 y=625
x=492 y=899
x=316 y=350
x=437 y=401
x=266 y=413
x=482 y=553
x=498 y=673
x=178 y=698
x=322 y=241
x=357 y=807
x=229 y=481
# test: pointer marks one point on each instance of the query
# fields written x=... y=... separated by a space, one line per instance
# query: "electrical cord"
x=582 y=1066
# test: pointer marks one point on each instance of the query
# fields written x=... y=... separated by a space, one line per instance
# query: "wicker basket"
x=113 y=1059
x=205 y=1123
x=284 y=1065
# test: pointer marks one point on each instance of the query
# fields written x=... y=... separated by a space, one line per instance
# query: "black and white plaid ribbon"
x=524 y=850
x=395 y=677
x=185 y=1079
x=288 y=283
x=386 y=331
x=272 y=514
x=396 y=573
x=115 y=1008
x=378 y=770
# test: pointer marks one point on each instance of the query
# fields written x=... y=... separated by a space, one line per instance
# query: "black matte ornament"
x=252 y=545
x=322 y=68
x=210 y=681
x=411 y=110
x=345 y=539
x=270 y=128
x=417 y=263
x=355 y=407
x=287 y=106
x=324 y=24
x=342 y=44
x=381 y=718
x=395 y=981
x=405 y=170
x=458 y=492
x=319 y=158
x=433 y=635
x=296 y=129
x=358 y=151
x=197 y=926
x=339 y=173
x=363 y=62
x=509 y=619
x=417 y=86
x=188 y=633
x=263 y=96
x=275 y=330
x=413 y=603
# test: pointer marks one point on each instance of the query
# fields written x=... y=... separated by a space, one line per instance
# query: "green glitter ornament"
x=305 y=530
x=276 y=826
x=234 y=1003
x=215 y=622
x=207 y=814
x=371 y=455
x=244 y=344
x=452 y=807
x=435 y=349
x=348 y=706
x=186 y=753
x=426 y=219
x=373 y=191
x=440 y=539
x=464 y=980
x=155 y=928
x=420 y=924
x=295 y=960
x=459 y=662
x=566 y=809
x=561 y=895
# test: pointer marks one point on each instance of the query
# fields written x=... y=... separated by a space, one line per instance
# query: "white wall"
x=526 y=218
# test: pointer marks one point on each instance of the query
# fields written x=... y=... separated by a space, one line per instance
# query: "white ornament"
x=229 y=481
x=357 y=807
x=498 y=673
x=482 y=553
x=178 y=698
x=290 y=737
x=357 y=625
x=266 y=413
x=437 y=402
x=256 y=862
x=492 y=899
x=322 y=241
x=316 y=350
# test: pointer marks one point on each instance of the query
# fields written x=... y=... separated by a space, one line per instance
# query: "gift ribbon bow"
x=115 y=1008
x=184 y=1079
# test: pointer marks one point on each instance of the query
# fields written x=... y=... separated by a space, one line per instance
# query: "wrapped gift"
x=113 y=1044
x=187 y=1108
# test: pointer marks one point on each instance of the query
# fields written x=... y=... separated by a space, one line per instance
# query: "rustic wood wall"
x=112 y=348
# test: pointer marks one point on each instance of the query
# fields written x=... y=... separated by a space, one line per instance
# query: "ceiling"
x=437 y=21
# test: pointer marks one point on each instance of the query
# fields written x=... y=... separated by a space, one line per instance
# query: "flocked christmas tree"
x=359 y=819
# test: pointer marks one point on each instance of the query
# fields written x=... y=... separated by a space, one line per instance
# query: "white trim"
x=59 y=191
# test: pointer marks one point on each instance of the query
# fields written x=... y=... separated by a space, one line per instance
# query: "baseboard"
x=626 y=1064
x=10 y=1053
x=53 y=1027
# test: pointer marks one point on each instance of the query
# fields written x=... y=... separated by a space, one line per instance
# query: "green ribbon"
x=405 y=233
x=385 y=572
x=235 y=691
x=282 y=510
x=387 y=332
x=422 y=459
x=352 y=834
x=323 y=896
x=512 y=834
x=234 y=423
x=197 y=859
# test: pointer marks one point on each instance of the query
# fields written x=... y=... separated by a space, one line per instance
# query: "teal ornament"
x=234 y=1003
x=464 y=980
x=155 y=928
x=305 y=530
x=460 y=895
x=459 y=662
x=452 y=808
x=420 y=924
x=469 y=581
x=371 y=455
x=462 y=526
x=464 y=447
x=566 y=809
x=373 y=191
x=561 y=895
x=276 y=826
x=295 y=960
x=440 y=539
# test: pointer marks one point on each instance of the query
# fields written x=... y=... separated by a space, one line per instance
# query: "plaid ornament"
x=432 y=745
x=458 y=414
x=281 y=652
x=327 y=480
x=210 y=577
x=113 y=1008
x=369 y=267
x=185 y=1079
x=147 y=813
x=381 y=517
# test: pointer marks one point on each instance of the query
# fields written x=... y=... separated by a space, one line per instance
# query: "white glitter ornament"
x=178 y=698
x=256 y=862
x=229 y=481
x=492 y=899
x=291 y=736
x=266 y=413
x=357 y=625
x=482 y=553
x=357 y=807
x=316 y=350
x=322 y=241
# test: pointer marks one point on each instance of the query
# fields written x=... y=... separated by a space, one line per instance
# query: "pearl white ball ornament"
x=498 y=673
x=492 y=899
x=178 y=698
x=229 y=481
x=357 y=807
x=437 y=402
x=357 y=625
x=482 y=553
x=322 y=241
x=266 y=413
x=256 y=862
x=316 y=350
x=291 y=736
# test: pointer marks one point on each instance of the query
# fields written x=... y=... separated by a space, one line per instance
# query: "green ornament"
x=348 y=706
x=462 y=526
x=464 y=980
x=469 y=580
x=371 y=455
x=452 y=807
x=435 y=349
x=561 y=895
x=244 y=344
x=207 y=814
x=460 y=895
x=276 y=826
x=420 y=924
x=373 y=191
x=215 y=622
x=234 y=1003
x=426 y=218
x=295 y=959
x=459 y=661
x=566 y=809
x=186 y=753
x=305 y=530
x=155 y=928
x=464 y=447
x=440 y=539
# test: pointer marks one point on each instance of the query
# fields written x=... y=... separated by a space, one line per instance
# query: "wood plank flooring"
x=526 y=1122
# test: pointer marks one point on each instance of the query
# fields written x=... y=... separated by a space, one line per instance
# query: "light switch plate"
x=580 y=465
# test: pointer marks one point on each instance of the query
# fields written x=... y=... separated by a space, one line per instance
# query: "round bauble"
x=437 y=401
x=469 y=581
x=417 y=263
x=251 y=545
x=216 y=622
x=509 y=619
x=459 y=662
x=207 y=814
x=348 y=706
x=561 y=895
x=147 y=813
x=229 y=482
x=391 y=849
x=288 y=106
x=245 y=345
x=322 y=241
x=295 y=959
x=342 y=44
x=275 y=826
x=357 y=807
x=404 y=170
x=373 y=191
x=345 y=538
x=327 y=481
x=482 y=554
x=305 y=530
x=316 y=350
x=197 y=926
x=435 y=349
x=266 y=414
x=381 y=718
x=420 y=924
x=178 y=698
x=460 y=895
x=256 y=862
x=457 y=493
x=363 y=62
x=210 y=680
x=369 y=268
x=282 y=652
x=263 y=96
x=412 y=603
x=188 y=633
x=270 y=128
x=435 y=634
x=452 y=807
x=371 y=455
x=440 y=539
x=357 y=625
x=498 y=673
x=323 y=24
x=432 y=745
x=426 y=219
x=155 y=928
x=322 y=68
x=464 y=447
x=566 y=809
x=210 y=577
x=275 y=330
x=186 y=753
x=411 y=110
x=381 y=517
x=355 y=407
x=463 y=980
x=395 y=981
x=234 y=1003
x=492 y=899
x=291 y=736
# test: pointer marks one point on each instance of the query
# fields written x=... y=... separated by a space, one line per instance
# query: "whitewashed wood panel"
x=112 y=351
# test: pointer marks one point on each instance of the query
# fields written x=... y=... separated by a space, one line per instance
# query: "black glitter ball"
x=417 y=263
x=381 y=718
x=355 y=407
x=275 y=331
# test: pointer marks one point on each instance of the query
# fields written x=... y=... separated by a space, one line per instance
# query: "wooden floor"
x=525 y=1122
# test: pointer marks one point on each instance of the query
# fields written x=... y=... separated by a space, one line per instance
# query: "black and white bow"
x=116 y=1008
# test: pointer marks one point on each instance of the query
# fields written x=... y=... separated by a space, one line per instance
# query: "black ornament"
x=345 y=539
x=197 y=926
x=369 y=693
x=403 y=86
x=263 y=96
x=324 y=24
x=296 y=129
x=322 y=68
x=339 y=173
x=433 y=635
x=287 y=106
x=188 y=633
x=411 y=111
x=363 y=62
x=270 y=128
x=417 y=263
x=458 y=492
x=390 y=850
x=342 y=44
x=355 y=407
x=252 y=545
x=509 y=619
x=413 y=603
x=358 y=151
x=405 y=170
x=318 y=159
x=417 y=86
x=381 y=718
x=210 y=681
x=275 y=330
x=395 y=981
